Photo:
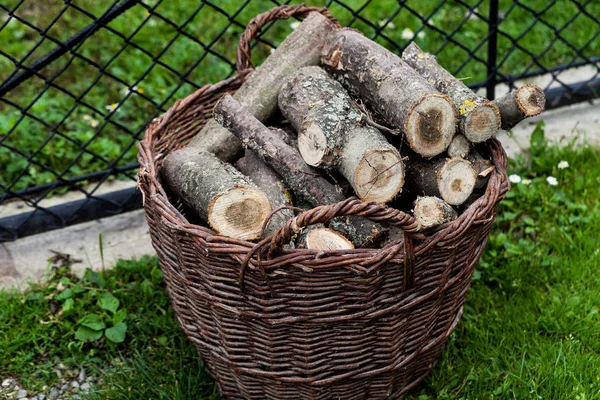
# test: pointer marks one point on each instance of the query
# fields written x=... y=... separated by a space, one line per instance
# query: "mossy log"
x=393 y=89
x=332 y=132
x=527 y=101
x=479 y=118
x=230 y=202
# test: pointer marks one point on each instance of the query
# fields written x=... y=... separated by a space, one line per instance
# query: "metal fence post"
x=491 y=79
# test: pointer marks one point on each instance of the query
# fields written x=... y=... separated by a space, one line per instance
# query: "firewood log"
x=231 y=204
x=479 y=118
x=303 y=180
x=527 y=101
x=318 y=237
x=332 y=132
x=393 y=89
x=432 y=211
x=269 y=182
x=452 y=179
x=482 y=167
x=259 y=93
x=459 y=147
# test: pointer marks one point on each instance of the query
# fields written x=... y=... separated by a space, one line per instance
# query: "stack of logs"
x=360 y=120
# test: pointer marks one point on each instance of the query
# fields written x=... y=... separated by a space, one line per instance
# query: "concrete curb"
x=123 y=236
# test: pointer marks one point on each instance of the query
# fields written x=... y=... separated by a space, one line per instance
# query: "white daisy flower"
x=86 y=117
x=294 y=24
x=563 y=165
x=133 y=89
x=421 y=34
x=407 y=34
x=387 y=24
x=94 y=123
x=112 y=107
x=526 y=181
x=514 y=178
x=552 y=181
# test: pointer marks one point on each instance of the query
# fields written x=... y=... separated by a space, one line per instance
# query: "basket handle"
x=257 y=23
x=323 y=214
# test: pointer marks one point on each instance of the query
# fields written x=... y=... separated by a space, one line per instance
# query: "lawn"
x=75 y=119
x=530 y=330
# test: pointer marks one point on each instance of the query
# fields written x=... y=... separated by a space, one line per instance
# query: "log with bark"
x=259 y=93
x=336 y=134
x=482 y=167
x=318 y=237
x=230 y=202
x=303 y=180
x=459 y=147
x=527 y=101
x=393 y=89
x=479 y=118
x=452 y=179
x=332 y=132
x=431 y=211
x=269 y=182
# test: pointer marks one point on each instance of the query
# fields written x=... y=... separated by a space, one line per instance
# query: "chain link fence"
x=81 y=79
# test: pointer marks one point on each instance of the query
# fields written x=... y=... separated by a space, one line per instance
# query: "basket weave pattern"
x=353 y=324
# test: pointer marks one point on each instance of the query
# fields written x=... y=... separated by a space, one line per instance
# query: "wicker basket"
x=353 y=324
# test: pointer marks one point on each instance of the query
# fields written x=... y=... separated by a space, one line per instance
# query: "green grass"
x=530 y=330
x=102 y=134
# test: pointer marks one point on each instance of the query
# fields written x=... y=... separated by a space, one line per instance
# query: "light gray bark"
x=479 y=118
x=393 y=89
x=303 y=180
x=259 y=93
x=332 y=132
x=232 y=204
x=525 y=102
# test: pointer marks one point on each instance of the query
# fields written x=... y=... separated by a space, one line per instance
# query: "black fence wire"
x=81 y=78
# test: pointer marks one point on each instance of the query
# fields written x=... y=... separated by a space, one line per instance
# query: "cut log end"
x=459 y=147
x=431 y=124
x=379 y=175
x=482 y=122
x=326 y=239
x=456 y=181
x=482 y=167
x=312 y=144
x=432 y=211
x=531 y=100
x=239 y=212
